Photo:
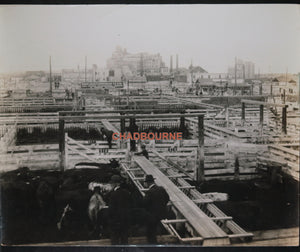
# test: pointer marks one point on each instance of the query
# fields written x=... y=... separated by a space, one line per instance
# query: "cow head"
x=114 y=163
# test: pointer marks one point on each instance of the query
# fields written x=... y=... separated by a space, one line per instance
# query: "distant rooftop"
x=197 y=69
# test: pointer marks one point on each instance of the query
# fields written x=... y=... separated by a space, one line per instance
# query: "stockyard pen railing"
x=93 y=117
x=261 y=113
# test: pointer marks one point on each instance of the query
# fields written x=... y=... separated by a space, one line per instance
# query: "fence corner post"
x=62 y=143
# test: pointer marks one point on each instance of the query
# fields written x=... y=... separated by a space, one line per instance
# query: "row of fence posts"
x=261 y=116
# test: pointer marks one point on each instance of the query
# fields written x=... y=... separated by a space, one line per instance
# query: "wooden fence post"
x=62 y=143
x=132 y=129
x=260 y=89
x=200 y=150
x=243 y=110
x=236 y=168
x=261 y=114
x=271 y=90
x=284 y=128
x=66 y=159
x=122 y=124
x=227 y=115
x=122 y=129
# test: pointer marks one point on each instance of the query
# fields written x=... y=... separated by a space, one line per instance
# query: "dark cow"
x=45 y=195
x=18 y=192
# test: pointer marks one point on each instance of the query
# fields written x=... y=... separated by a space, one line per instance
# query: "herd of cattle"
x=58 y=200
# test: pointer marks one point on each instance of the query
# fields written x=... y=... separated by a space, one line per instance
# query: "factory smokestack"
x=176 y=62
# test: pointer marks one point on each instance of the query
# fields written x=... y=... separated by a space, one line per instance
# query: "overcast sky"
x=210 y=35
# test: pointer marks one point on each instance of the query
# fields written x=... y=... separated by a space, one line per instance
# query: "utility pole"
x=78 y=79
x=128 y=93
x=50 y=76
x=142 y=65
x=191 y=72
x=85 y=69
x=234 y=75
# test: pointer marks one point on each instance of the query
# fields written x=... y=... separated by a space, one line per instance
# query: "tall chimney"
x=176 y=62
x=171 y=64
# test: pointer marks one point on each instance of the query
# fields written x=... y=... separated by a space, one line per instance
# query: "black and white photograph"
x=156 y=125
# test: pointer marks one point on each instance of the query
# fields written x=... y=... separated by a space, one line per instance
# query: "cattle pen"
x=232 y=179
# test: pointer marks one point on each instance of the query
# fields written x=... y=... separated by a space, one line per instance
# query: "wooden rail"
x=101 y=117
x=206 y=105
x=215 y=131
x=263 y=103
x=37 y=108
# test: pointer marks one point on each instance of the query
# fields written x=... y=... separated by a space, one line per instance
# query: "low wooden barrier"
x=289 y=156
x=219 y=162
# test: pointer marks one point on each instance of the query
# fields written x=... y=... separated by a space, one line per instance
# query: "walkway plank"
x=205 y=227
